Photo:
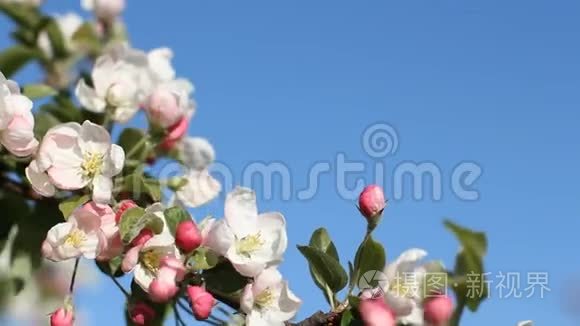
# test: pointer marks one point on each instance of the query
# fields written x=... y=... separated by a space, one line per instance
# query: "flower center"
x=75 y=238
x=151 y=259
x=264 y=299
x=250 y=244
x=92 y=164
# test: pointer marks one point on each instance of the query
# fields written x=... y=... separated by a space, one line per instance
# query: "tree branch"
x=319 y=318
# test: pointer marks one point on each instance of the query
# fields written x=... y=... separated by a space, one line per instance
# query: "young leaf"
x=469 y=271
x=325 y=268
x=224 y=279
x=131 y=141
x=370 y=256
x=203 y=259
x=136 y=219
x=320 y=239
x=25 y=16
x=14 y=58
x=36 y=91
x=68 y=205
x=174 y=216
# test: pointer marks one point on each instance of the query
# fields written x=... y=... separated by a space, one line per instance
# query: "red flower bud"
x=202 y=302
x=161 y=291
x=375 y=312
x=62 y=317
x=141 y=314
x=143 y=236
x=187 y=236
x=438 y=310
x=123 y=206
x=371 y=203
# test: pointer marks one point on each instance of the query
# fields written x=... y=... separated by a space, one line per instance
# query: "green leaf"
x=36 y=91
x=14 y=58
x=346 y=318
x=57 y=42
x=138 y=185
x=468 y=277
x=131 y=139
x=136 y=219
x=320 y=239
x=174 y=216
x=23 y=15
x=203 y=259
x=370 y=256
x=68 y=205
x=224 y=279
x=475 y=241
x=325 y=268
x=43 y=122
x=87 y=38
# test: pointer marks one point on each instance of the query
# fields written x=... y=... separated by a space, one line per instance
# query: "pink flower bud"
x=438 y=310
x=108 y=9
x=175 y=266
x=187 y=236
x=375 y=312
x=163 y=108
x=141 y=314
x=61 y=317
x=123 y=206
x=202 y=302
x=175 y=133
x=143 y=236
x=371 y=203
x=160 y=290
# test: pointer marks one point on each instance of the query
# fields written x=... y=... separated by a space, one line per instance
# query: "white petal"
x=94 y=139
x=247 y=299
x=89 y=99
x=143 y=277
x=407 y=259
x=90 y=246
x=289 y=303
x=241 y=211
x=67 y=178
x=197 y=153
x=268 y=278
x=402 y=306
x=39 y=180
x=255 y=318
x=273 y=223
x=117 y=159
x=124 y=113
x=249 y=269
x=102 y=189
x=201 y=188
x=220 y=238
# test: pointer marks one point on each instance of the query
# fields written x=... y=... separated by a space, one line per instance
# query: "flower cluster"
x=67 y=157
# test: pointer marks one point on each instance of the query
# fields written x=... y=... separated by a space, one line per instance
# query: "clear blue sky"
x=297 y=81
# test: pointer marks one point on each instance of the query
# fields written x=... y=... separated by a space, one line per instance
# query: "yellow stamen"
x=75 y=238
x=151 y=259
x=264 y=299
x=92 y=164
x=249 y=244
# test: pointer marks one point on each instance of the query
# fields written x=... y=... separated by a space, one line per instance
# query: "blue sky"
x=297 y=82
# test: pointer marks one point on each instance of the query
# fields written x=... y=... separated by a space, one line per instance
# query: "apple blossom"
x=375 y=312
x=62 y=317
x=164 y=286
x=202 y=302
x=73 y=156
x=68 y=24
x=372 y=203
x=16 y=119
x=115 y=88
x=145 y=259
x=438 y=310
x=106 y=10
x=197 y=154
x=268 y=300
x=169 y=102
x=89 y=232
x=187 y=236
x=250 y=241
x=141 y=314
x=403 y=293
